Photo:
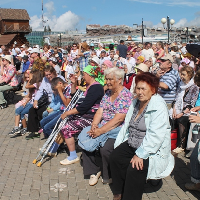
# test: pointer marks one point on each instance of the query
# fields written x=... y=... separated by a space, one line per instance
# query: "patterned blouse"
x=9 y=76
x=120 y=105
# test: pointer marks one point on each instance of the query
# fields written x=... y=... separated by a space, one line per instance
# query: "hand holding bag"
x=44 y=99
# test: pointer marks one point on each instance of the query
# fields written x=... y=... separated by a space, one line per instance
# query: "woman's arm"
x=74 y=111
x=161 y=54
x=113 y=123
x=79 y=50
x=97 y=117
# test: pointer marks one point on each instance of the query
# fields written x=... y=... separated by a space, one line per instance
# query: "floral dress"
x=120 y=105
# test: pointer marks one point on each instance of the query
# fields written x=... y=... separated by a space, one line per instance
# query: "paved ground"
x=20 y=179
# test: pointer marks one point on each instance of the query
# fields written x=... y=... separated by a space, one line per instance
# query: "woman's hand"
x=97 y=132
x=195 y=109
x=179 y=115
x=137 y=162
x=50 y=110
x=194 y=119
x=35 y=104
x=24 y=104
x=174 y=113
x=64 y=115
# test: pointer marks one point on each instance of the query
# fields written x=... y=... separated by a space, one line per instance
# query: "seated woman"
x=186 y=98
x=143 y=145
x=35 y=113
x=8 y=78
x=81 y=116
x=105 y=126
x=23 y=107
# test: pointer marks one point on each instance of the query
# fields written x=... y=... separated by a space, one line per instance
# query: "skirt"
x=75 y=125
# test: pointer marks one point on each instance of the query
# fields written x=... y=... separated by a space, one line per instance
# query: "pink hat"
x=185 y=60
x=108 y=63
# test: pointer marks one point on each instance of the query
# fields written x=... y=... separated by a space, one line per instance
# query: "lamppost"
x=142 y=33
x=164 y=20
x=187 y=33
x=60 y=35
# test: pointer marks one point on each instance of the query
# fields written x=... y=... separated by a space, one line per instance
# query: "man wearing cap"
x=8 y=78
x=26 y=63
x=122 y=49
x=169 y=80
x=100 y=45
x=91 y=47
x=147 y=52
x=53 y=63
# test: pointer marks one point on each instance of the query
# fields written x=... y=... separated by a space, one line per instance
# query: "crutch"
x=47 y=145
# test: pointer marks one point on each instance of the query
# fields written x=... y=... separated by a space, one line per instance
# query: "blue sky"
x=71 y=14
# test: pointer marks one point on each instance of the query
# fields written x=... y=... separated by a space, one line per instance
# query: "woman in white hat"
x=140 y=69
x=8 y=78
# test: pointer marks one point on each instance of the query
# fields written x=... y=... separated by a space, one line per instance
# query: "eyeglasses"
x=128 y=54
x=73 y=46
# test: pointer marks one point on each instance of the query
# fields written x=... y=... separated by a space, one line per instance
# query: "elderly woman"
x=81 y=116
x=105 y=126
x=35 y=113
x=8 y=78
x=185 y=100
x=143 y=145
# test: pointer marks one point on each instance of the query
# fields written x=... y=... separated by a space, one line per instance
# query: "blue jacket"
x=156 y=144
x=56 y=102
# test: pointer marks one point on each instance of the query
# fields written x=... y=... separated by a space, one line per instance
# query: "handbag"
x=2 y=84
x=44 y=99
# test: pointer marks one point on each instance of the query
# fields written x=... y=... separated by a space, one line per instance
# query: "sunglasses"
x=128 y=54
x=73 y=46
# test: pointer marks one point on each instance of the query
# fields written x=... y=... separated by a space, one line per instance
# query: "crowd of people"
x=133 y=93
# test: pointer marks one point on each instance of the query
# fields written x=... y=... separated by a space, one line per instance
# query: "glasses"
x=128 y=54
x=73 y=46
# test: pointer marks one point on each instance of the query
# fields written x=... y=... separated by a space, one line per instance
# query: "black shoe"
x=32 y=135
x=4 y=105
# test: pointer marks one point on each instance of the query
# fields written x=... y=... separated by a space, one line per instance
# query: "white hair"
x=116 y=72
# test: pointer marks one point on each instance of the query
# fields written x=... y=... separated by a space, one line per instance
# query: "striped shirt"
x=171 y=79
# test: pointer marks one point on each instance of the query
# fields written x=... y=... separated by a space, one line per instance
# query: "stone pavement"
x=20 y=179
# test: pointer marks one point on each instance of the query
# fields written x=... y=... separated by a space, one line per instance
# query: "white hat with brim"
x=142 y=67
x=35 y=50
x=167 y=57
x=8 y=57
x=96 y=60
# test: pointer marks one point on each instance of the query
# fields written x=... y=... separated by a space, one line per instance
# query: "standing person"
x=100 y=45
x=74 y=52
x=132 y=48
x=53 y=62
x=8 y=78
x=84 y=54
x=160 y=50
x=130 y=63
x=147 y=52
x=143 y=145
x=138 y=51
x=103 y=57
x=122 y=49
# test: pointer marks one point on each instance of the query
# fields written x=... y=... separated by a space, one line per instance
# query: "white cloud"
x=66 y=21
x=192 y=3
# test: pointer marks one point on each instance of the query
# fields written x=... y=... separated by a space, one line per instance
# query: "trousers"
x=2 y=89
x=90 y=165
x=127 y=180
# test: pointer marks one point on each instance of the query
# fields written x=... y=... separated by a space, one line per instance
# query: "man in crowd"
x=122 y=49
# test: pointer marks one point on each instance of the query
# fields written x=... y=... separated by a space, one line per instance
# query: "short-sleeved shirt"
x=83 y=60
x=67 y=95
x=172 y=80
x=120 y=105
x=122 y=50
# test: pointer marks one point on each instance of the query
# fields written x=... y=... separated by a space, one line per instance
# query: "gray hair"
x=116 y=72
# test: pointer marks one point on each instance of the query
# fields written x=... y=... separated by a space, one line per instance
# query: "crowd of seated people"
x=132 y=93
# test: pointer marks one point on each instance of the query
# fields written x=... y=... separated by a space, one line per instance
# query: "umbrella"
x=193 y=49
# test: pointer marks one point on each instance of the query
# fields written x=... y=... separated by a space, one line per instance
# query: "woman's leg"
x=105 y=151
x=135 y=181
x=119 y=161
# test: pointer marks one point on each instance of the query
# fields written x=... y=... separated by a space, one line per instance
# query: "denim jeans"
x=195 y=165
x=23 y=110
x=46 y=113
x=49 y=122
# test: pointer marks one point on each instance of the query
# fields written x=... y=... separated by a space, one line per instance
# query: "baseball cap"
x=35 y=50
x=167 y=57
x=92 y=44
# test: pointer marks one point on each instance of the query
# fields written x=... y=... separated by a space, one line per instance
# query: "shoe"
x=23 y=131
x=188 y=154
x=14 y=132
x=69 y=162
x=32 y=135
x=107 y=181
x=117 y=197
x=52 y=154
x=178 y=150
x=94 y=179
x=192 y=186
x=4 y=105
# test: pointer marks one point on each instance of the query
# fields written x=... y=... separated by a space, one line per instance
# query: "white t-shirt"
x=58 y=71
x=74 y=53
x=147 y=53
x=70 y=70
x=130 y=65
